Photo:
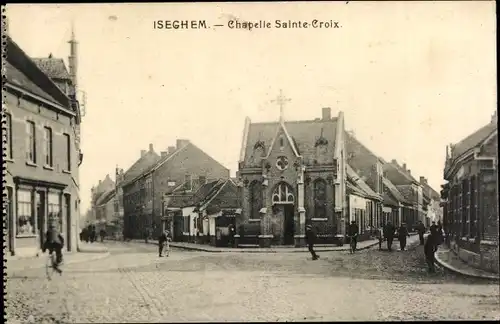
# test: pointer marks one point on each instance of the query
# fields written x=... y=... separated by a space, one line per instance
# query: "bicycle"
x=52 y=266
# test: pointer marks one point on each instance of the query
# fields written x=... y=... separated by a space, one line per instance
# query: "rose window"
x=282 y=163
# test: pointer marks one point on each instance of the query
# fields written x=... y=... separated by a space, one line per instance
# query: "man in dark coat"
x=402 y=235
x=429 y=250
x=440 y=233
x=353 y=233
x=389 y=234
x=54 y=242
x=310 y=240
x=421 y=232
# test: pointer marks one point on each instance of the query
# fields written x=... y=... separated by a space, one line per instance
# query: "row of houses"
x=470 y=197
x=41 y=121
x=289 y=173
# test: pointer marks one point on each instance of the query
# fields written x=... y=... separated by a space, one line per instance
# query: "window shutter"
x=28 y=141
x=45 y=145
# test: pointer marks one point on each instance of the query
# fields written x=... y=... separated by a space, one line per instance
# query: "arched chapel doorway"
x=283 y=223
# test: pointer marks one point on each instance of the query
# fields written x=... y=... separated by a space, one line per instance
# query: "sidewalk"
x=13 y=264
x=449 y=260
x=275 y=249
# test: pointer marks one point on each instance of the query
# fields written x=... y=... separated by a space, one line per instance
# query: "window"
x=25 y=215
x=47 y=147
x=54 y=216
x=255 y=199
x=282 y=163
x=68 y=152
x=283 y=194
x=8 y=136
x=320 y=198
x=31 y=142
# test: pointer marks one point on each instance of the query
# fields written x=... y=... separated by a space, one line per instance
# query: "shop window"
x=25 y=215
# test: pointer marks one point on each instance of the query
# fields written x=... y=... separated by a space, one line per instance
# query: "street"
x=134 y=285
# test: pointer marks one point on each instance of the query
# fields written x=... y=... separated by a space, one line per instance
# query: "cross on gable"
x=281 y=100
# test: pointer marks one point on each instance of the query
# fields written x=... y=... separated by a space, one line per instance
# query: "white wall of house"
x=356 y=202
x=188 y=214
x=211 y=221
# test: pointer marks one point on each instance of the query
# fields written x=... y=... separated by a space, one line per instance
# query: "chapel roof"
x=304 y=135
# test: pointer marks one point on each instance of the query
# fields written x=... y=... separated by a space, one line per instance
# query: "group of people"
x=388 y=232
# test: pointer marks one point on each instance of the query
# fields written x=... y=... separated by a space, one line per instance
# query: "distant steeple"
x=73 y=58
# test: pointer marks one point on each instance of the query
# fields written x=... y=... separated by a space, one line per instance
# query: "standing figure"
x=429 y=250
x=102 y=234
x=402 y=235
x=389 y=234
x=163 y=242
x=310 y=240
x=421 y=232
x=353 y=234
x=380 y=236
x=232 y=232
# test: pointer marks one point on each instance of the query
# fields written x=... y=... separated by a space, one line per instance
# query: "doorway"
x=67 y=205
x=289 y=224
x=41 y=216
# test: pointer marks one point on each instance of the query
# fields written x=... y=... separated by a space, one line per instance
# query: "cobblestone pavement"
x=134 y=285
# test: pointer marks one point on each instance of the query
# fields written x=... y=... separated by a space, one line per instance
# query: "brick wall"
x=191 y=161
x=21 y=110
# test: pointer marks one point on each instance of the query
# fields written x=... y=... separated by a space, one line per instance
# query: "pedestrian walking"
x=164 y=243
x=102 y=234
x=421 y=232
x=310 y=240
x=429 y=250
x=380 y=236
x=353 y=233
x=440 y=233
x=389 y=234
x=433 y=229
x=402 y=235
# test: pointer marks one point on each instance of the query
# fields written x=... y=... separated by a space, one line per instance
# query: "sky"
x=410 y=77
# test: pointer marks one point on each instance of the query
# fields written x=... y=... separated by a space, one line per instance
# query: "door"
x=289 y=224
x=8 y=223
x=67 y=205
x=41 y=216
x=178 y=227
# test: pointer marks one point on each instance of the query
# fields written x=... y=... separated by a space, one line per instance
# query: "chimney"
x=404 y=166
x=393 y=161
x=181 y=143
x=143 y=152
x=326 y=113
x=151 y=147
x=409 y=171
x=171 y=149
x=164 y=153
x=494 y=118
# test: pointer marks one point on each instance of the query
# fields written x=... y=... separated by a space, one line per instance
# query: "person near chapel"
x=54 y=242
x=102 y=234
x=429 y=250
x=402 y=236
x=439 y=232
x=164 y=243
x=232 y=233
x=421 y=231
x=353 y=233
x=310 y=240
x=380 y=236
x=389 y=234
